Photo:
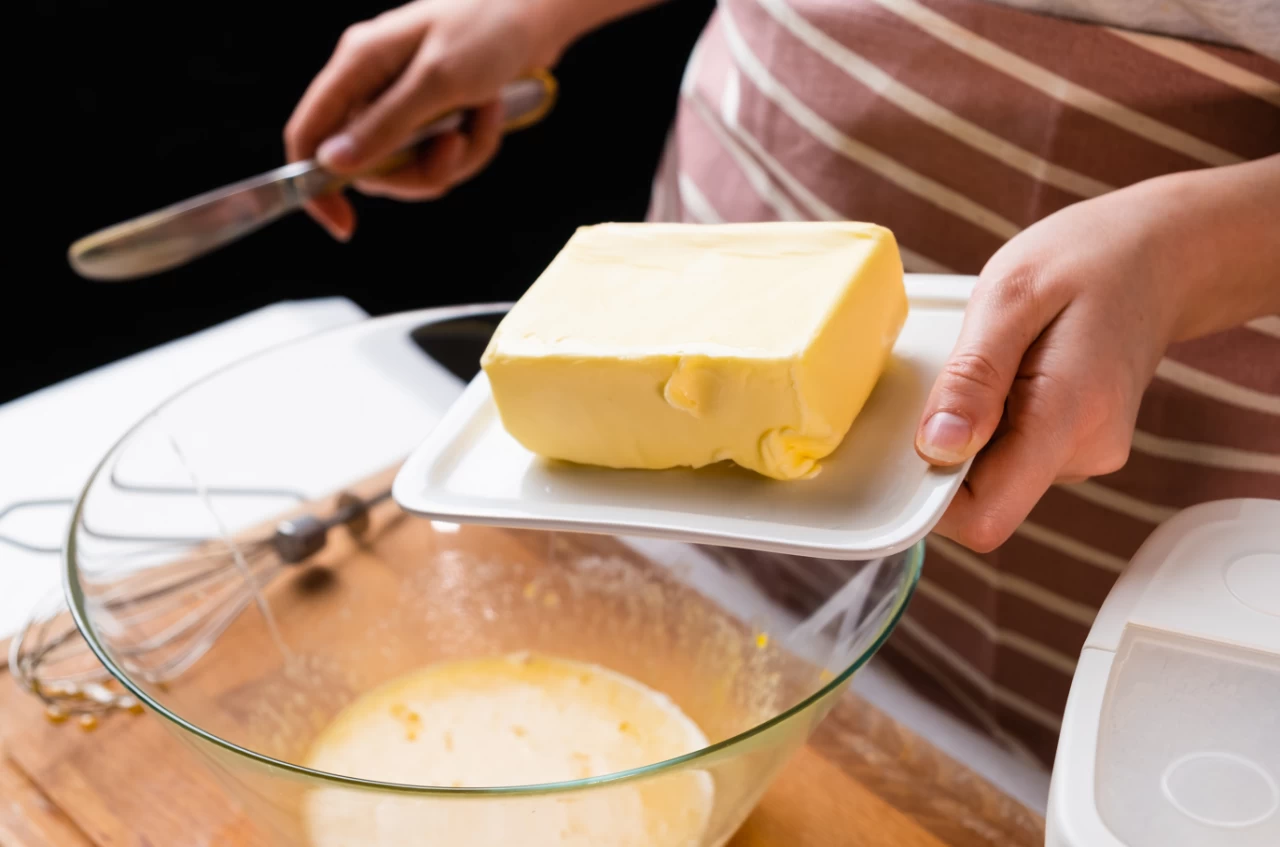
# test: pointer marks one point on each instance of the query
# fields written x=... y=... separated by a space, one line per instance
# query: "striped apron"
x=957 y=124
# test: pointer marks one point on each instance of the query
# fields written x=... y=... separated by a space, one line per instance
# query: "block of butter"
x=679 y=345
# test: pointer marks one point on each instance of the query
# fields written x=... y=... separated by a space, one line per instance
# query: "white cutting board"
x=51 y=440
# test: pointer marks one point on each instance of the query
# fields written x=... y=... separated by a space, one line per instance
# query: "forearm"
x=562 y=22
x=1223 y=228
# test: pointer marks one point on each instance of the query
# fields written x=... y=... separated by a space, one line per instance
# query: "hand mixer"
x=180 y=608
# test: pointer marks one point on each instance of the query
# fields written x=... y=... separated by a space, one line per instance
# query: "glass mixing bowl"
x=214 y=493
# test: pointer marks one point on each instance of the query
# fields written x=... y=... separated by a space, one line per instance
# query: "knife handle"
x=524 y=102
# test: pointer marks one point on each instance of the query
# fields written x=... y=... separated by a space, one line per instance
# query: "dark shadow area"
x=146 y=103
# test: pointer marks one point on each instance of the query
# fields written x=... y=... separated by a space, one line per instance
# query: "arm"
x=1069 y=321
x=1226 y=222
x=563 y=22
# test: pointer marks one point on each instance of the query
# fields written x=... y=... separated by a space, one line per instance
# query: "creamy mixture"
x=509 y=720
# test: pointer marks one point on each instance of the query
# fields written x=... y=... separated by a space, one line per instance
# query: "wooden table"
x=863 y=780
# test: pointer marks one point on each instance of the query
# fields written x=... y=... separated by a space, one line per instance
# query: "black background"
x=140 y=104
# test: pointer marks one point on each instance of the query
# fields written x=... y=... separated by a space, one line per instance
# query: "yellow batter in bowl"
x=522 y=719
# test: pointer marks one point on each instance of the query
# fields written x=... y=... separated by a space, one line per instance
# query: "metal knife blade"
x=182 y=232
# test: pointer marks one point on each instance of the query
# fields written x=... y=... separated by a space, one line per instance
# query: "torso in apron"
x=957 y=124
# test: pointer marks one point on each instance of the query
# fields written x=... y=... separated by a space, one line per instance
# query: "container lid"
x=874 y=497
x=1171 y=736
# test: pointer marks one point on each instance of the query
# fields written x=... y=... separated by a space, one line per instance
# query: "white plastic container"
x=1171 y=736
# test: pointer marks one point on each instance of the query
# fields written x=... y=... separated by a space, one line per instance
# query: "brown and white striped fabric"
x=957 y=124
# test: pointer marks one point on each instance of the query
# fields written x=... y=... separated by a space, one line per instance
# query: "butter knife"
x=185 y=231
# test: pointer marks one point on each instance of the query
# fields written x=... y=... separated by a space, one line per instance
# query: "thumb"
x=967 y=401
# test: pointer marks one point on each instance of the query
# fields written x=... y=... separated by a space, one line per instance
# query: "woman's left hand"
x=1067 y=324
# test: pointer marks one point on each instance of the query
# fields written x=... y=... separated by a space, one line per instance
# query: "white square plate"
x=874 y=497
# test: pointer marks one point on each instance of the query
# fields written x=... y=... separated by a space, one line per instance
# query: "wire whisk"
x=167 y=615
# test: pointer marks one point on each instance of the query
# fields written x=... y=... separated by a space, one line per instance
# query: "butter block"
x=680 y=345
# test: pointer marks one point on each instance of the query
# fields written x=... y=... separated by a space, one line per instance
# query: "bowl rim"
x=77 y=605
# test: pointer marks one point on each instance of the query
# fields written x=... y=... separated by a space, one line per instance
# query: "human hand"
x=1060 y=339
x=1068 y=322
x=391 y=75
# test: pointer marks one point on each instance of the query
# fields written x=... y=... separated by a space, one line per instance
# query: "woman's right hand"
x=393 y=74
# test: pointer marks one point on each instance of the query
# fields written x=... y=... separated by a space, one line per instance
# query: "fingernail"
x=944 y=438
x=337 y=152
